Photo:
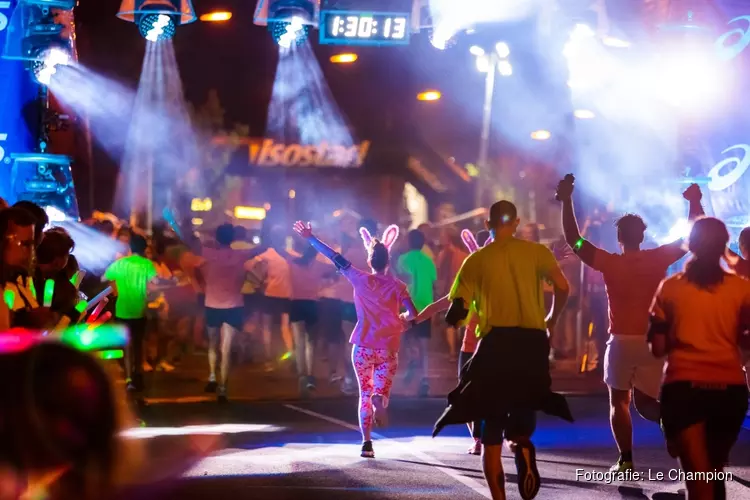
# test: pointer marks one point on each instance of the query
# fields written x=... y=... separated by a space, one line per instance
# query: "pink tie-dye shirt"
x=377 y=299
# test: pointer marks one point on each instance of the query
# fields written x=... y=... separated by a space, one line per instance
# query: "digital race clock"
x=363 y=28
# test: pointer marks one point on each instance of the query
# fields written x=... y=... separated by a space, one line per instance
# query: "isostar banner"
x=17 y=89
x=269 y=153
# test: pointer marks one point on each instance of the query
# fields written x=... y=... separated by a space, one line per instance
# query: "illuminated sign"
x=201 y=205
x=364 y=28
x=719 y=181
x=3 y=16
x=742 y=39
x=269 y=153
x=249 y=213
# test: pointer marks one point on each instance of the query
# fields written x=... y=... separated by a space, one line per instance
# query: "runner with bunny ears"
x=378 y=298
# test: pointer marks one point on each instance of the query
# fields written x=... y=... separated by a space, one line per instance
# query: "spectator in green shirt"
x=131 y=276
x=420 y=274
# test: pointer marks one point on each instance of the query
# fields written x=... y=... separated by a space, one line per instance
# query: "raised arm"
x=440 y=305
x=585 y=250
x=305 y=230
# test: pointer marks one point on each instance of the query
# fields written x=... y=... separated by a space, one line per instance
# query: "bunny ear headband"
x=389 y=236
x=471 y=242
x=468 y=238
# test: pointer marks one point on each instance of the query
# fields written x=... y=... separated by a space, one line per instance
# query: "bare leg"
x=300 y=345
x=621 y=421
x=286 y=333
x=492 y=465
x=694 y=458
x=213 y=347
x=226 y=351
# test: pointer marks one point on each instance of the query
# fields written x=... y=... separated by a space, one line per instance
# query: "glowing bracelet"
x=579 y=244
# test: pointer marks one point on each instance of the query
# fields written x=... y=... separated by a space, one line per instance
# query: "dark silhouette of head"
x=225 y=235
x=503 y=218
x=631 y=231
x=744 y=241
x=138 y=245
x=378 y=256
x=40 y=217
x=416 y=239
x=707 y=242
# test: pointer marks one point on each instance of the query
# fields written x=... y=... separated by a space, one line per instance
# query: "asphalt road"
x=310 y=450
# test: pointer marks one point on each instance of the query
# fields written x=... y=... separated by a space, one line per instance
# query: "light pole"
x=495 y=60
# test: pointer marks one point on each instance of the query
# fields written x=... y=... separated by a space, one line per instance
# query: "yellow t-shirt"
x=503 y=281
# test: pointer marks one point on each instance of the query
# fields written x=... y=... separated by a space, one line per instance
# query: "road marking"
x=478 y=487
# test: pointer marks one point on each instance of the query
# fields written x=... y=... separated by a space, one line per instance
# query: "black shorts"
x=304 y=311
x=421 y=330
x=723 y=409
x=274 y=306
x=330 y=312
x=348 y=312
x=251 y=301
x=520 y=423
x=233 y=317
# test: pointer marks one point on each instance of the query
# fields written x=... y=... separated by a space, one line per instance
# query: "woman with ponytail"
x=697 y=322
x=378 y=299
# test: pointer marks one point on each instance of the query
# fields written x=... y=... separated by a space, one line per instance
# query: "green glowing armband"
x=579 y=244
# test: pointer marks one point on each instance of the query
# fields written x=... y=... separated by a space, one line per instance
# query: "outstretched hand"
x=565 y=187
x=693 y=193
x=304 y=229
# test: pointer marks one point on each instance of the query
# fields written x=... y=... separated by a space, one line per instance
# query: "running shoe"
x=221 y=396
x=310 y=383
x=528 y=475
x=147 y=368
x=335 y=378
x=367 y=451
x=621 y=466
x=476 y=448
x=211 y=386
x=129 y=385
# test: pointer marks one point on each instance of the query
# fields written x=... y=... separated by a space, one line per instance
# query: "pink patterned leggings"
x=375 y=370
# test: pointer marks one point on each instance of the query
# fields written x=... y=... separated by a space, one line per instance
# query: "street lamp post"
x=495 y=60
x=484 y=142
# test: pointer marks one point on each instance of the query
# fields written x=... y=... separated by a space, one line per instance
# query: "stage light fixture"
x=288 y=33
x=36 y=27
x=157 y=20
x=47 y=65
x=289 y=21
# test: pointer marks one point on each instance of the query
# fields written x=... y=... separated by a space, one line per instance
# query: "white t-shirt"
x=278 y=279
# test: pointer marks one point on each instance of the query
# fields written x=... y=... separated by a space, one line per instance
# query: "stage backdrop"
x=16 y=90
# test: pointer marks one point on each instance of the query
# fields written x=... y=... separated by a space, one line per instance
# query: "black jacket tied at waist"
x=509 y=371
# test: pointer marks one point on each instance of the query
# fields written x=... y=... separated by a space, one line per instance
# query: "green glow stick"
x=49 y=292
x=9 y=296
x=81 y=306
x=579 y=244
x=33 y=290
x=111 y=354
